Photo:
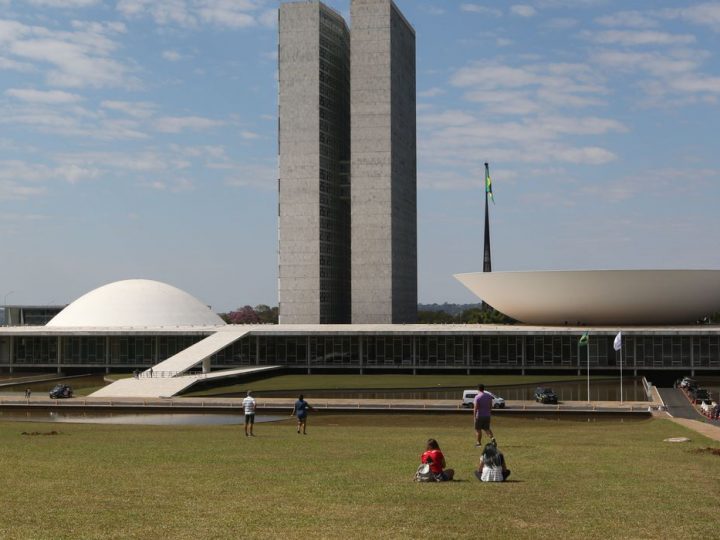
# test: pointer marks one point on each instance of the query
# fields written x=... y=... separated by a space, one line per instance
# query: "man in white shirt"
x=249 y=405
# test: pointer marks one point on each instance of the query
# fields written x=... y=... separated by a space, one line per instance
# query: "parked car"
x=469 y=399
x=687 y=382
x=707 y=406
x=61 y=391
x=699 y=395
x=544 y=394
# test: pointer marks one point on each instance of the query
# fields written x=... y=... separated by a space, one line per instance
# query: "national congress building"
x=347 y=146
x=347 y=253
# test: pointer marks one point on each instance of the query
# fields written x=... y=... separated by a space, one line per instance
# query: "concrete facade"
x=383 y=165
x=314 y=148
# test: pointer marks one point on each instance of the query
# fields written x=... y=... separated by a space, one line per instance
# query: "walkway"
x=164 y=387
x=711 y=430
x=678 y=405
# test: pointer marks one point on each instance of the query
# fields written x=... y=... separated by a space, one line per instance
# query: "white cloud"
x=136 y=109
x=629 y=19
x=269 y=18
x=252 y=175
x=78 y=58
x=431 y=92
x=705 y=14
x=523 y=10
x=42 y=96
x=639 y=37
x=190 y=14
x=172 y=56
x=177 y=124
x=249 y=135
x=483 y=10
x=63 y=3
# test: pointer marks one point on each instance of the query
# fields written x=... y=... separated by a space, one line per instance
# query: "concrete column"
x=107 y=354
x=635 y=357
x=522 y=357
x=307 y=355
x=206 y=364
x=257 y=350
x=360 y=352
x=692 y=356
x=415 y=355
x=59 y=353
x=11 y=353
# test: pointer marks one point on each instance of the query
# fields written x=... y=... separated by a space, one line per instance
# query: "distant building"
x=347 y=208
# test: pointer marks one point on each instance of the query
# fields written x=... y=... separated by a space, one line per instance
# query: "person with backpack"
x=300 y=410
x=492 y=466
x=434 y=457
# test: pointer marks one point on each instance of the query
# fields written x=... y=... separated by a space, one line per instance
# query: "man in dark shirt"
x=481 y=413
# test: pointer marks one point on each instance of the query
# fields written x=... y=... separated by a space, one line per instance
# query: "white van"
x=468 y=399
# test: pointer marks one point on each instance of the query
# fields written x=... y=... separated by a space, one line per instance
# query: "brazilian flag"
x=488 y=183
x=584 y=339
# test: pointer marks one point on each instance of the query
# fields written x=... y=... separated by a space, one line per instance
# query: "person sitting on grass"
x=434 y=457
x=492 y=466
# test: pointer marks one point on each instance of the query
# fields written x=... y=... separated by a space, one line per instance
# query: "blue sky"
x=138 y=139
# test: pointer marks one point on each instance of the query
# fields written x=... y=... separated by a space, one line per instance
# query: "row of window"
x=456 y=350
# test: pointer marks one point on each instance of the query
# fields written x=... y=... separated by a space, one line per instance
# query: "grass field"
x=350 y=477
x=304 y=383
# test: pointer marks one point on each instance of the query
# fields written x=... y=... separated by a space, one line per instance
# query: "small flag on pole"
x=488 y=184
x=617 y=344
x=584 y=339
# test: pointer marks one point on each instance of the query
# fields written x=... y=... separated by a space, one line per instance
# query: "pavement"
x=708 y=429
x=513 y=407
x=678 y=405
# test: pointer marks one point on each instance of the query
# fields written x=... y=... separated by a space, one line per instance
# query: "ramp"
x=169 y=378
x=195 y=354
x=155 y=387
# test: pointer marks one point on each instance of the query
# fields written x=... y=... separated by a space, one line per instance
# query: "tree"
x=243 y=315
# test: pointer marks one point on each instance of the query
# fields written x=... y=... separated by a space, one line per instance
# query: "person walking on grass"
x=249 y=405
x=300 y=410
x=482 y=408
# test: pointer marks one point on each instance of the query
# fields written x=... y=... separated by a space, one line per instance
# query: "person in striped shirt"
x=249 y=405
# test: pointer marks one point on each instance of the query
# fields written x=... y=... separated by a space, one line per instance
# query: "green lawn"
x=306 y=383
x=350 y=478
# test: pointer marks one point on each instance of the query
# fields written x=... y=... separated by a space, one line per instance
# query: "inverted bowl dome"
x=136 y=303
x=599 y=297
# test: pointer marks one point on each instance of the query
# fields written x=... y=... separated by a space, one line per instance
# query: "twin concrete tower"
x=348 y=165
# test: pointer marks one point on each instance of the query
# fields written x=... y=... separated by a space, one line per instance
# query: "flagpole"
x=621 y=388
x=588 y=368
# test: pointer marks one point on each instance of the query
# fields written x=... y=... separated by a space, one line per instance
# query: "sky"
x=138 y=139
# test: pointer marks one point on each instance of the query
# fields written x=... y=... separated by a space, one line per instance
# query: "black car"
x=544 y=394
x=61 y=391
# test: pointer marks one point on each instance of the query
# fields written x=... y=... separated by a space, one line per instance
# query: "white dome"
x=599 y=297
x=136 y=303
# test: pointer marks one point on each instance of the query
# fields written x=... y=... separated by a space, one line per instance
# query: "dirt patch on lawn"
x=708 y=450
x=35 y=433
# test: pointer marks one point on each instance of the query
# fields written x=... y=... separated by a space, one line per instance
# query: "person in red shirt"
x=435 y=458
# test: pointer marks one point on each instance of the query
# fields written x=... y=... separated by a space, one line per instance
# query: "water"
x=148 y=419
x=602 y=390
